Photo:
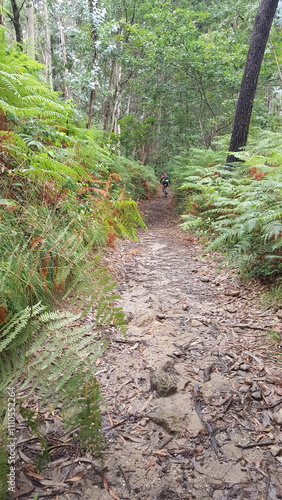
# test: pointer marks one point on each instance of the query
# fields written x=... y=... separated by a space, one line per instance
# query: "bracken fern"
x=240 y=208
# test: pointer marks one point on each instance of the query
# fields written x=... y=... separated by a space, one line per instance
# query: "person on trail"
x=164 y=180
x=164 y=177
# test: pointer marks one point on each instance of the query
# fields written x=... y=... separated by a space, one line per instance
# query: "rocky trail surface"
x=194 y=391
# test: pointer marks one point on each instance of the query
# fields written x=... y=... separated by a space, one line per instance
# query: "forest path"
x=193 y=390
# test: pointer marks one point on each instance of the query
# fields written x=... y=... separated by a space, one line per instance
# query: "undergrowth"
x=238 y=207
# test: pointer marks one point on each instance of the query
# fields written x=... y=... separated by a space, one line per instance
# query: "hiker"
x=164 y=180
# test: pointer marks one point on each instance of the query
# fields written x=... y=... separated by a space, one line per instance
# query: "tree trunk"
x=65 y=59
x=48 y=57
x=115 y=128
x=1 y=13
x=16 y=21
x=93 y=6
x=30 y=29
x=262 y=25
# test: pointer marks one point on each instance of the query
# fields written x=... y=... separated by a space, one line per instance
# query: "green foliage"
x=273 y=297
x=239 y=207
x=135 y=134
x=64 y=195
x=22 y=93
x=57 y=361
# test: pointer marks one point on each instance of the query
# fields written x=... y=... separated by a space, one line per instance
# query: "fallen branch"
x=252 y=327
x=273 y=405
x=253 y=445
x=125 y=478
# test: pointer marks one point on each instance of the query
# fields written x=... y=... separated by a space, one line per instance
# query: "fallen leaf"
x=107 y=488
x=33 y=474
x=74 y=478
x=163 y=453
x=151 y=463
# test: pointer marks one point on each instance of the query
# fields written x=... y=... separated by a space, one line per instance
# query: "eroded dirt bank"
x=194 y=392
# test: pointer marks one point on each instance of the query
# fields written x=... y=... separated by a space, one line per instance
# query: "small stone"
x=196 y=323
x=160 y=317
x=163 y=383
x=231 y=308
x=245 y=367
x=277 y=417
x=256 y=395
x=199 y=450
x=144 y=422
x=276 y=450
x=205 y=279
x=279 y=314
x=128 y=317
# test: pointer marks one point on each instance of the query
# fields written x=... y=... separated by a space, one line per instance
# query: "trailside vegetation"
x=237 y=210
x=64 y=195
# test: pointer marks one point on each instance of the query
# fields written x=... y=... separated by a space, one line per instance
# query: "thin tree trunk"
x=93 y=6
x=30 y=29
x=262 y=25
x=108 y=103
x=48 y=57
x=115 y=128
x=64 y=56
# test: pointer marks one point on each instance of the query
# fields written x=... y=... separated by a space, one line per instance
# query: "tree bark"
x=64 y=56
x=30 y=29
x=262 y=25
x=48 y=55
x=16 y=21
x=115 y=128
x=93 y=6
x=108 y=101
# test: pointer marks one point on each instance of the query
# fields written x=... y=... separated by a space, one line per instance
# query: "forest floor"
x=194 y=391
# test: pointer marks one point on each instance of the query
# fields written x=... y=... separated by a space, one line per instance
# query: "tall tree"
x=64 y=57
x=48 y=55
x=260 y=34
x=94 y=20
x=30 y=29
x=15 y=18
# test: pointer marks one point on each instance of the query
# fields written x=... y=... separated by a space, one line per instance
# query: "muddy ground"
x=194 y=392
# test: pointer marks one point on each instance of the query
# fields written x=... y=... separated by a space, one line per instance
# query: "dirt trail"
x=193 y=392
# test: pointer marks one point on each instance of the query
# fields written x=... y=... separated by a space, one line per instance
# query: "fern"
x=57 y=365
x=240 y=209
